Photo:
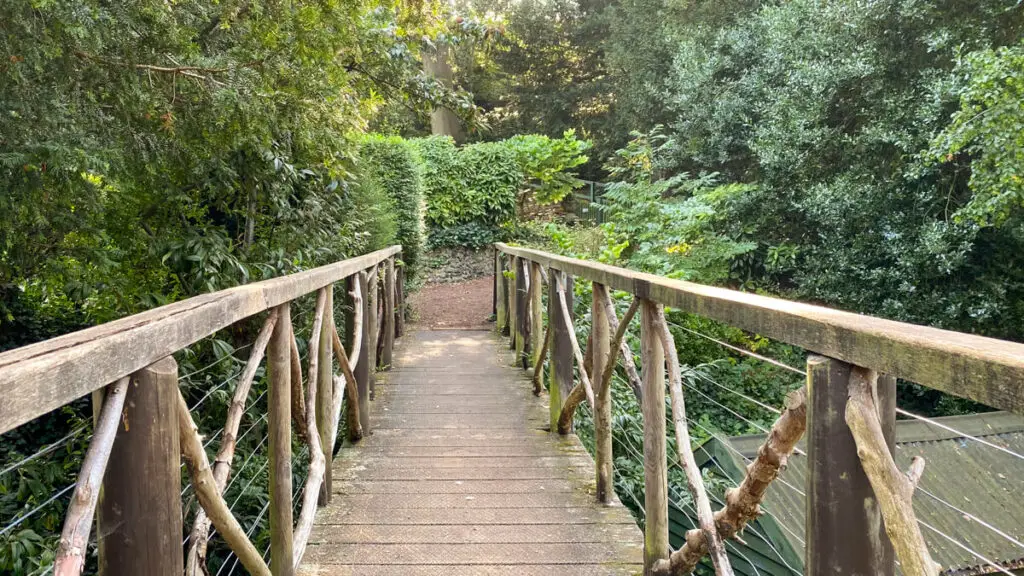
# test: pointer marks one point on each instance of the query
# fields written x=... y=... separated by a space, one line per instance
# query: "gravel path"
x=456 y=305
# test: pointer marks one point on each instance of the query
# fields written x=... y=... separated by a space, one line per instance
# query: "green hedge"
x=471 y=191
x=392 y=163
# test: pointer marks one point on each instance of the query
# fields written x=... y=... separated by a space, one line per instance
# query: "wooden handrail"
x=982 y=369
x=42 y=377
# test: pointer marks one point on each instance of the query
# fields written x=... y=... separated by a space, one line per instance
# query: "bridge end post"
x=280 y=443
x=139 y=512
x=325 y=393
x=845 y=533
x=656 y=545
x=600 y=330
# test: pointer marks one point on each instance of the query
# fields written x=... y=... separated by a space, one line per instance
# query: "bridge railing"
x=130 y=478
x=847 y=408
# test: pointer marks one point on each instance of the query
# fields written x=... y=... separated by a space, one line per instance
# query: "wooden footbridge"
x=438 y=454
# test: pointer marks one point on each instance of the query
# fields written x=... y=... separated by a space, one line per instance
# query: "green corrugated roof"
x=977 y=479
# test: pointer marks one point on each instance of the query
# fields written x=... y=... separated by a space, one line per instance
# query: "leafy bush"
x=547 y=163
x=392 y=163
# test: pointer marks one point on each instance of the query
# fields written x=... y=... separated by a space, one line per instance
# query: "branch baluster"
x=685 y=451
x=196 y=559
x=70 y=559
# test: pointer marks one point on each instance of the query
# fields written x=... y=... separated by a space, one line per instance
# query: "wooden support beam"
x=388 y=330
x=372 y=328
x=400 y=303
x=560 y=374
x=536 y=314
x=501 y=295
x=844 y=523
x=280 y=445
x=359 y=357
x=655 y=458
x=139 y=526
x=494 y=283
x=600 y=353
x=522 y=307
x=325 y=393
x=538 y=367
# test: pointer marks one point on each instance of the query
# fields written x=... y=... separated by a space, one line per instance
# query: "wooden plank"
x=280 y=445
x=655 y=450
x=511 y=513
x=42 y=377
x=560 y=373
x=139 y=519
x=982 y=369
x=522 y=312
x=600 y=352
x=844 y=530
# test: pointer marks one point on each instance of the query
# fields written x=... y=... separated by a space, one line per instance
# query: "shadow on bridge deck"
x=460 y=477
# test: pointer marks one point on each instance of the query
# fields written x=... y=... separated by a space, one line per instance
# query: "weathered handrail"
x=986 y=370
x=145 y=431
x=41 y=377
x=855 y=376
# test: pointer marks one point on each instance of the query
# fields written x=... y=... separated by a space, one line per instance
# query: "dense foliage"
x=152 y=151
x=391 y=162
x=875 y=147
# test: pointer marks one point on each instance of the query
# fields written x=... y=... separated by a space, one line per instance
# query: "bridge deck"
x=460 y=477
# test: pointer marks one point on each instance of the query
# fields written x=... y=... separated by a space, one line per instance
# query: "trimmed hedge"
x=471 y=191
x=393 y=164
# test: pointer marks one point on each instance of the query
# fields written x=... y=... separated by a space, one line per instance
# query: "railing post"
x=139 y=512
x=388 y=325
x=522 y=312
x=372 y=328
x=844 y=533
x=513 y=302
x=494 y=290
x=655 y=458
x=536 y=314
x=400 y=302
x=501 y=296
x=280 y=443
x=362 y=369
x=561 y=353
x=603 y=394
x=325 y=393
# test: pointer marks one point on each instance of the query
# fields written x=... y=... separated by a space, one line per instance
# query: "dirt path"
x=464 y=305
